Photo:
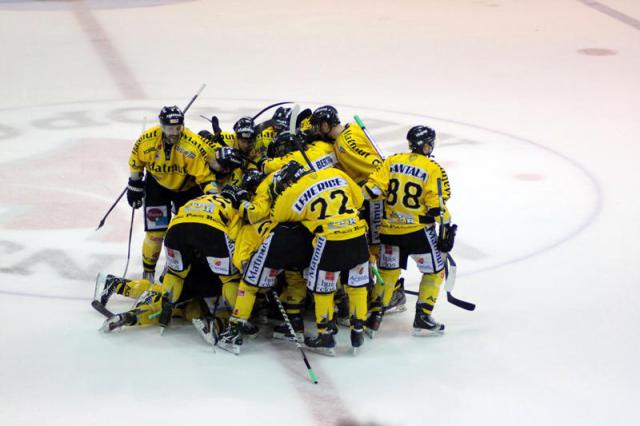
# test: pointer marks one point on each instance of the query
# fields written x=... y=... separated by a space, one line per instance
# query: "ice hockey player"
x=357 y=157
x=409 y=185
x=286 y=247
x=176 y=171
x=204 y=228
x=287 y=147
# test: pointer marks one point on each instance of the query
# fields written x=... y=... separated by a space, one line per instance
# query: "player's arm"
x=357 y=197
x=431 y=198
x=259 y=207
x=378 y=182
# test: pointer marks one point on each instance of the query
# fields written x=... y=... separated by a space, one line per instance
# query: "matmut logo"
x=317 y=188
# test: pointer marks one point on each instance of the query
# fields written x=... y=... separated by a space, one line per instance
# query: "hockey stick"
x=312 y=375
x=184 y=111
x=292 y=129
x=126 y=266
x=451 y=277
x=111 y=208
x=366 y=132
x=269 y=107
x=101 y=308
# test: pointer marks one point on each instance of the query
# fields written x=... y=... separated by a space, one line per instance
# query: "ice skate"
x=206 y=330
x=357 y=335
x=398 y=299
x=323 y=343
x=231 y=339
x=117 y=321
x=374 y=320
x=105 y=287
x=424 y=325
x=249 y=330
x=282 y=332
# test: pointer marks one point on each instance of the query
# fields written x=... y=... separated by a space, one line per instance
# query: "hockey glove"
x=229 y=158
x=234 y=194
x=135 y=193
x=215 y=125
x=447 y=238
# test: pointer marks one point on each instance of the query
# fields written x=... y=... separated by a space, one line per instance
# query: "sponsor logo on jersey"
x=257 y=262
x=351 y=143
x=408 y=170
x=326 y=161
x=317 y=188
x=154 y=214
x=185 y=152
x=164 y=168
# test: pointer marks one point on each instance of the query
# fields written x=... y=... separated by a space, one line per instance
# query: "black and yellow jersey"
x=408 y=184
x=320 y=154
x=248 y=241
x=211 y=210
x=326 y=202
x=259 y=207
x=355 y=154
x=179 y=168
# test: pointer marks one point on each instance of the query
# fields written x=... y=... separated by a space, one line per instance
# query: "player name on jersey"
x=316 y=189
x=406 y=169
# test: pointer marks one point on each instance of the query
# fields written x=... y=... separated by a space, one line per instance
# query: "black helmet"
x=418 y=136
x=244 y=128
x=282 y=144
x=171 y=115
x=325 y=113
x=251 y=179
x=281 y=118
x=286 y=176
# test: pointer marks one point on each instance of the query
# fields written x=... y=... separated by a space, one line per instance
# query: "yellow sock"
x=294 y=293
x=245 y=299
x=429 y=289
x=173 y=282
x=151 y=248
x=390 y=276
x=230 y=285
x=357 y=302
x=324 y=310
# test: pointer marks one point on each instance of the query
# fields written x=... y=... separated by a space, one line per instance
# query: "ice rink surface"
x=536 y=107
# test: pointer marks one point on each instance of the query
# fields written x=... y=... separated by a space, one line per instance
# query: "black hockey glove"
x=235 y=194
x=229 y=158
x=135 y=193
x=215 y=125
x=447 y=238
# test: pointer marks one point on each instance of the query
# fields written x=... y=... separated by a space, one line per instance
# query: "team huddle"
x=272 y=220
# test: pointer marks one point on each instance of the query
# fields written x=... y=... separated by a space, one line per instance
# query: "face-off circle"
x=510 y=196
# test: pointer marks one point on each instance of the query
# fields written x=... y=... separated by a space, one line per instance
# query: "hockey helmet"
x=325 y=113
x=281 y=118
x=171 y=115
x=244 y=128
x=419 y=136
x=251 y=179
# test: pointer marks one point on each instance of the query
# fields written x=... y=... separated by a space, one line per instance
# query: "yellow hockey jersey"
x=355 y=154
x=320 y=154
x=259 y=207
x=326 y=202
x=211 y=210
x=248 y=241
x=177 y=169
x=407 y=182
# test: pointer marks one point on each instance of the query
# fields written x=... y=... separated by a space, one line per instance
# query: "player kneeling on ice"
x=204 y=228
x=414 y=188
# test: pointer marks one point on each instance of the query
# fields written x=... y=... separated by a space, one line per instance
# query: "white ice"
x=539 y=137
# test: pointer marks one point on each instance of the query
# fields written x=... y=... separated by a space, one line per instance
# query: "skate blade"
x=322 y=351
x=356 y=351
x=396 y=309
x=370 y=333
x=282 y=336
x=101 y=280
x=229 y=347
x=109 y=326
x=421 y=332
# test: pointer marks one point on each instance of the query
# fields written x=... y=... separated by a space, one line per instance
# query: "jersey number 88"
x=411 y=194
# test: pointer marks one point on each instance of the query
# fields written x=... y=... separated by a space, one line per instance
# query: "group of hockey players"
x=299 y=212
